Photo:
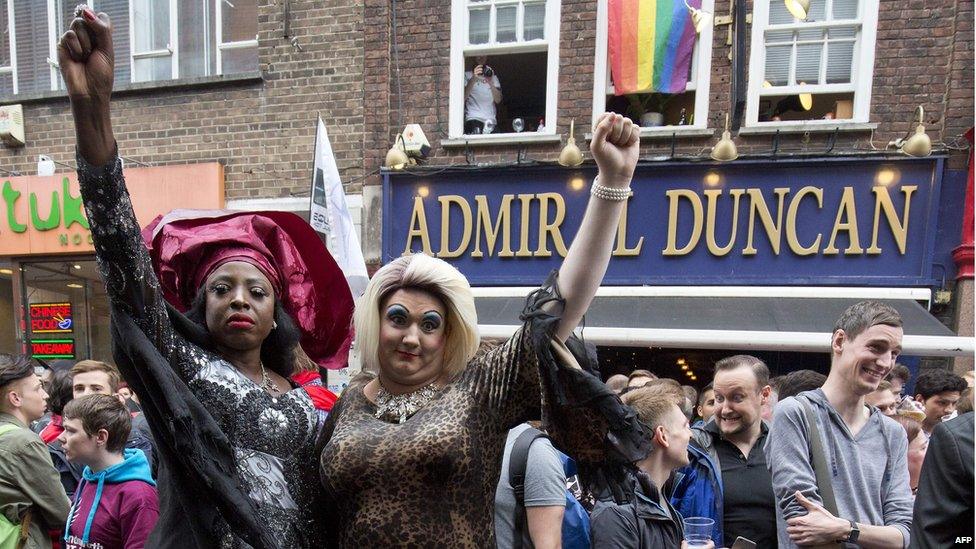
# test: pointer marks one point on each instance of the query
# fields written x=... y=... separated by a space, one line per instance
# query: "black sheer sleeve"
x=125 y=265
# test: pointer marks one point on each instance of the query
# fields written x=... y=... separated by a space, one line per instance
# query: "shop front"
x=53 y=303
x=757 y=256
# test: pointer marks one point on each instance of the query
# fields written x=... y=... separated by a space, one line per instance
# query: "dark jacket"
x=28 y=482
x=944 y=504
x=641 y=523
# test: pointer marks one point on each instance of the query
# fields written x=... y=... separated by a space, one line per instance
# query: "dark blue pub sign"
x=788 y=222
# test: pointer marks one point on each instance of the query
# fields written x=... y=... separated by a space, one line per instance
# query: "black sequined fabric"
x=237 y=464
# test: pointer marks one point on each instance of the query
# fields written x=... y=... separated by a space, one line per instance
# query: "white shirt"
x=480 y=105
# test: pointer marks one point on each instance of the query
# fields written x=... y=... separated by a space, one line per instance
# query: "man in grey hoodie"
x=866 y=451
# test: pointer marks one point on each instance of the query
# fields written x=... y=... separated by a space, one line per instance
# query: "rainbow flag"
x=650 y=43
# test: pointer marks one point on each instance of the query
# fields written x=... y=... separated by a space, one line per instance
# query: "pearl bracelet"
x=612 y=194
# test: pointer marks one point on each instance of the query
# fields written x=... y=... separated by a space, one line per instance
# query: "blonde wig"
x=420 y=272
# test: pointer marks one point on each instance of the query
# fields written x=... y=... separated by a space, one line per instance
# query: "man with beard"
x=862 y=453
x=727 y=459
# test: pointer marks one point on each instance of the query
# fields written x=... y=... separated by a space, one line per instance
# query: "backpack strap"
x=517 y=463
x=820 y=468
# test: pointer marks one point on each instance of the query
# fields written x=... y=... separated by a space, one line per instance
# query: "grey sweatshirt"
x=869 y=472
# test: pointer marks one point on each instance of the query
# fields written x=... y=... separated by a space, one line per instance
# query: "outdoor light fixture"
x=798 y=8
x=75 y=286
x=699 y=18
x=77 y=267
x=571 y=154
x=6 y=271
x=396 y=158
x=724 y=150
x=918 y=144
x=680 y=361
x=684 y=366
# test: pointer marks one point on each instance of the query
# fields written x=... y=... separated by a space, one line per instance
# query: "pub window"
x=675 y=92
x=517 y=41
x=154 y=40
x=817 y=69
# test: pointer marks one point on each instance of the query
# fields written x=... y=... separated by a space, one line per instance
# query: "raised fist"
x=86 y=57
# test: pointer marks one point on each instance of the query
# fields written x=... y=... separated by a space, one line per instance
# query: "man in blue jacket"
x=726 y=478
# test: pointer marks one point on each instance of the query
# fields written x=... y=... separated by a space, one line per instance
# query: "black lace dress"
x=237 y=465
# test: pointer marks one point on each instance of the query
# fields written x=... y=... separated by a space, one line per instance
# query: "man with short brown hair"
x=883 y=399
x=648 y=520
x=90 y=377
x=94 y=377
x=30 y=489
x=726 y=458
x=866 y=450
x=116 y=504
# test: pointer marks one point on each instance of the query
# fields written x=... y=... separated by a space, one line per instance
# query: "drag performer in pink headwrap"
x=205 y=325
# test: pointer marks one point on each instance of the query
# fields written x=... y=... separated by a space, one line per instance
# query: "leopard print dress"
x=429 y=482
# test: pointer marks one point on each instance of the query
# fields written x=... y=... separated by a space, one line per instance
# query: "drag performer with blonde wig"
x=412 y=450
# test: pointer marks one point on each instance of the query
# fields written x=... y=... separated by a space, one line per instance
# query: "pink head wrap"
x=187 y=245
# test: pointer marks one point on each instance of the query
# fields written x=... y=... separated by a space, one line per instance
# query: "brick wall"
x=262 y=131
x=923 y=56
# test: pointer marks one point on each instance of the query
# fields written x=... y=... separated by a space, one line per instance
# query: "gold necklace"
x=266 y=382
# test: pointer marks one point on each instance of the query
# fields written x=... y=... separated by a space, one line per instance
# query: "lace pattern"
x=274 y=437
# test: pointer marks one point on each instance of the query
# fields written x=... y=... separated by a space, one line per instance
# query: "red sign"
x=51 y=318
x=53 y=348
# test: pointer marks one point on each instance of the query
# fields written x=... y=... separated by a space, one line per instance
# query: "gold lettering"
x=547 y=228
x=791 y=237
x=882 y=201
x=446 y=201
x=674 y=196
x=418 y=228
x=713 y=196
x=502 y=221
x=622 y=250
x=525 y=201
x=847 y=210
x=758 y=206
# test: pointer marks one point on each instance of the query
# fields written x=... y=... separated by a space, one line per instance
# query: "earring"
x=274 y=325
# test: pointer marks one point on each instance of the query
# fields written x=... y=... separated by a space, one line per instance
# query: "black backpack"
x=576 y=525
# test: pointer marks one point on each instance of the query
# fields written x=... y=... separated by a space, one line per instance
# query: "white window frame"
x=11 y=32
x=862 y=71
x=172 y=49
x=460 y=49
x=221 y=45
x=700 y=80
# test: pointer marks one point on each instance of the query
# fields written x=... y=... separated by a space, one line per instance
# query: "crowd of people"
x=222 y=434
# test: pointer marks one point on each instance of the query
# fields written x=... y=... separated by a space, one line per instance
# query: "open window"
x=812 y=71
x=664 y=101
x=514 y=45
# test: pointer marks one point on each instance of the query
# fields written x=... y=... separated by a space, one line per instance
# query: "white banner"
x=329 y=214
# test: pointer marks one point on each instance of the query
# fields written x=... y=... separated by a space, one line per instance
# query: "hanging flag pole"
x=329 y=214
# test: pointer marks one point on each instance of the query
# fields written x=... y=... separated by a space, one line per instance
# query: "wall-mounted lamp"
x=724 y=150
x=396 y=158
x=571 y=154
x=798 y=8
x=919 y=144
